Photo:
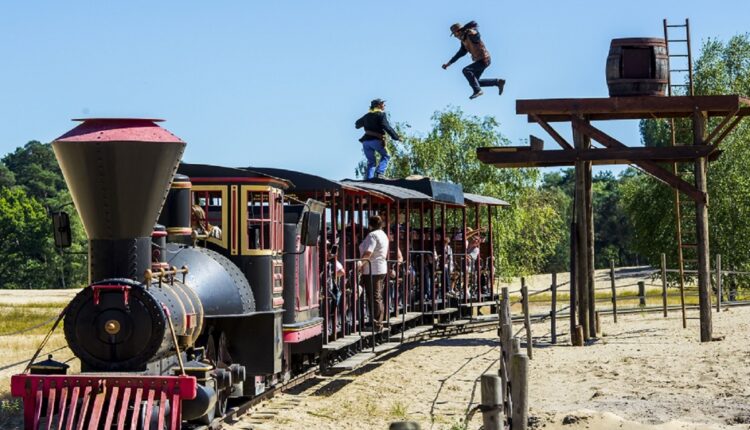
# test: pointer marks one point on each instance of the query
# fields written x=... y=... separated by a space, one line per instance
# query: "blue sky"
x=280 y=83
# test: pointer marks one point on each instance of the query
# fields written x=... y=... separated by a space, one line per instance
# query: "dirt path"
x=645 y=373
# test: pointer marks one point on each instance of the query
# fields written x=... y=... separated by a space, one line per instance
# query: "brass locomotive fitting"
x=112 y=327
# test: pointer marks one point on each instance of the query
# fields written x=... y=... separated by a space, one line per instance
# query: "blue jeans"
x=370 y=147
x=474 y=71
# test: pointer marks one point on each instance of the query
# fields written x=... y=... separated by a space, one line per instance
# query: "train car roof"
x=202 y=173
x=394 y=191
x=308 y=183
x=445 y=192
x=484 y=200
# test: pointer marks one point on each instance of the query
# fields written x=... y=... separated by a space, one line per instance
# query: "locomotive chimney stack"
x=118 y=172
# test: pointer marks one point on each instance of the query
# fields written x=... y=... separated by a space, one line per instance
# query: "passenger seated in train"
x=200 y=224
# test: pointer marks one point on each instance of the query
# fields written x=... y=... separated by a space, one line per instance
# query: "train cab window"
x=265 y=216
x=209 y=214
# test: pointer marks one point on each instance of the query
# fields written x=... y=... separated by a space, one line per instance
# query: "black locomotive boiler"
x=178 y=318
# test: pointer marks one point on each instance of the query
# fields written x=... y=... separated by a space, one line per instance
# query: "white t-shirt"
x=377 y=243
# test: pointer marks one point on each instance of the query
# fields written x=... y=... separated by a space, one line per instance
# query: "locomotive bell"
x=118 y=171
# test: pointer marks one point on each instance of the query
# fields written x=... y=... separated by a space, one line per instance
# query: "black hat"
x=376 y=103
x=455 y=27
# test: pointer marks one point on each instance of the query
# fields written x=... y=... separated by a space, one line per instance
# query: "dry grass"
x=23 y=326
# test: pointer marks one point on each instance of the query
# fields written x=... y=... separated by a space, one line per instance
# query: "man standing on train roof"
x=375 y=123
x=471 y=42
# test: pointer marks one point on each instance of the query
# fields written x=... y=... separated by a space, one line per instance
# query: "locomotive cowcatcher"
x=182 y=316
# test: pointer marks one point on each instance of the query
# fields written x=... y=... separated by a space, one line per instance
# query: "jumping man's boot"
x=500 y=86
x=475 y=95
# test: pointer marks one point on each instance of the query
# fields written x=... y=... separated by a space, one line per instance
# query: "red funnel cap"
x=118 y=171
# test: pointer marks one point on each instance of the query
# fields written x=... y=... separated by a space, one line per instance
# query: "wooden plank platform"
x=457 y=324
x=445 y=311
x=477 y=304
x=401 y=318
x=353 y=362
x=342 y=342
x=412 y=332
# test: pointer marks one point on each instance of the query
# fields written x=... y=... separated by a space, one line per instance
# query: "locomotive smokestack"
x=118 y=172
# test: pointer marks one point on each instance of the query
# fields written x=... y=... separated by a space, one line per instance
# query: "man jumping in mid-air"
x=471 y=42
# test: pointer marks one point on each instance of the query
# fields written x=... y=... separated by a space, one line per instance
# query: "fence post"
x=642 y=293
x=578 y=338
x=664 y=283
x=614 y=289
x=507 y=353
x=718 y=282
x=526 y=317
x=519 y=392
x=553 y=310
x=506 y=305
x=598 y=324
x=492 y=415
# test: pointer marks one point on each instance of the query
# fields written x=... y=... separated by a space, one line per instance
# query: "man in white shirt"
x=375 y=250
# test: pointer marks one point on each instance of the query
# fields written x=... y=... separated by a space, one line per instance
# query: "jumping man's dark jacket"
x=471 y=42
x=376 y=126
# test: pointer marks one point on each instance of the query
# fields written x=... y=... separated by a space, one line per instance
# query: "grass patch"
x=18 y=317
x=398 y=411
x=11 y=412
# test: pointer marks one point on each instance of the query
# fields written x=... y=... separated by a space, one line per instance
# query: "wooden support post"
x=590 y=278
x=718 y=282
x=553 y=310
x=614 y=289
x=492 y=403
x=664 y=283
x=582 y=189
x=519 y=392
x=526 y=317
x=577 y=340
x=641 y=293
x=573 y=296
x=701 y=225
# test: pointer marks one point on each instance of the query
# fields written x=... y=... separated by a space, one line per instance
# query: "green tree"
x=7 y=178
x=722 y=68
x=36 y=170
x=32 y=176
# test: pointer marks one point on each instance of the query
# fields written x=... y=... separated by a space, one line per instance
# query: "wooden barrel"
x=637 y=67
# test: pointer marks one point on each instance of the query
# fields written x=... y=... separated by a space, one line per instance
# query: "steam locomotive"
x=168 y=332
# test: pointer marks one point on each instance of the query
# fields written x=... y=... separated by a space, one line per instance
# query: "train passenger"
x=375 y=123
x=448 y=267
x=375 y=250
x=200 y=224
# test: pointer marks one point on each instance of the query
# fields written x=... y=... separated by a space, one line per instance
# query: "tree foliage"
x=722 y=68
x=31 y=187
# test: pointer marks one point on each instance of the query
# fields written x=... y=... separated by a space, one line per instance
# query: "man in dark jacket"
x=375 y=123
x=471 y=42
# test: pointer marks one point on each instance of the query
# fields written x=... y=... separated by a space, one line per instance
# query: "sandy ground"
x=646 y=372
x=623 y=276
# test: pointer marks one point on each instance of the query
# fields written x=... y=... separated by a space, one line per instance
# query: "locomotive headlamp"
x=112 y=327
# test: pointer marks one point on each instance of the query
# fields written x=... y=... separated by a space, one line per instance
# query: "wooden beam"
x=603 y=116
x=645 y=105
x=566 y=157
x=701 y=225
x=648 y=166
x=552 y=132
x=721 y=126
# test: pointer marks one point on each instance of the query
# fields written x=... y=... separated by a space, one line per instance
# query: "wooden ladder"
x=678 y=36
